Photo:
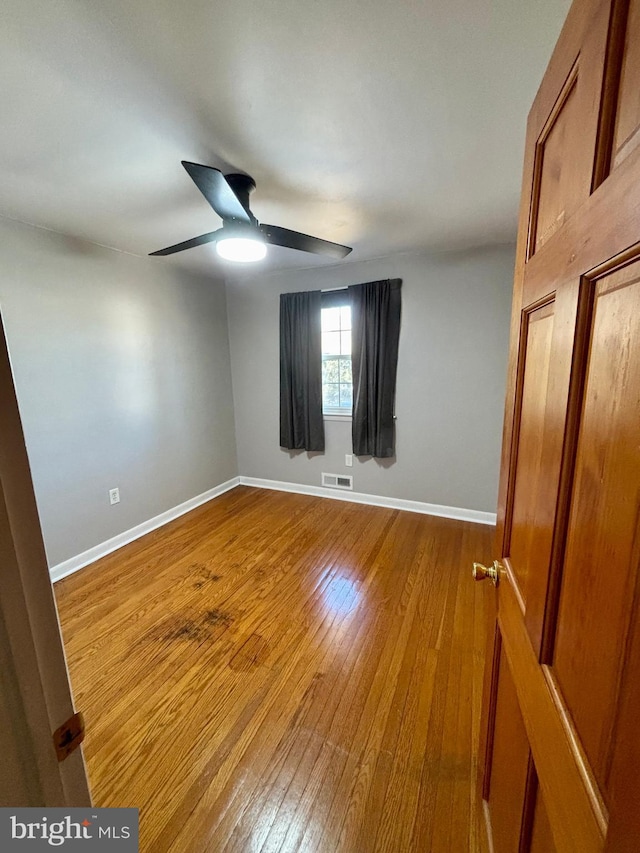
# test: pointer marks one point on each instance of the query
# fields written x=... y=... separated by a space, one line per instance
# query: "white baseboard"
x=75 y=563
x=475 y=515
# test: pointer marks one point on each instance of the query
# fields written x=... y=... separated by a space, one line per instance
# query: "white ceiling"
x=388 y=125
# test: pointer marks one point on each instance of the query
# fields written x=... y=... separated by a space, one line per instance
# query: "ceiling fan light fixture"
x=241 y=249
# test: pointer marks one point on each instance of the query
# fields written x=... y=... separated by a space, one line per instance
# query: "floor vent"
x=337 y=481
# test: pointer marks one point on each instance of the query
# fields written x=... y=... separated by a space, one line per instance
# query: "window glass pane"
x=346 y=395
x=330 y=343
x=330 y=319
x=345 y=370
x=337 y=390
x=330 y=371
x=331 y=395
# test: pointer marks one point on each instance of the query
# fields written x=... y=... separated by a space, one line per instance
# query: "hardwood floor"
x=275 y=672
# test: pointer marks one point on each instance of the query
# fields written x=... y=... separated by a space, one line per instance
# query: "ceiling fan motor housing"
x=243 y=186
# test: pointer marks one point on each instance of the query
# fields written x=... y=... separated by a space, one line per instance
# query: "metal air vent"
x=338 y=481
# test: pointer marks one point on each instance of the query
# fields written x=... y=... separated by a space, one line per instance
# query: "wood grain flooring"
x=275 y=672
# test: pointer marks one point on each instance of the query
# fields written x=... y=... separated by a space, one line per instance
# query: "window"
x=337 y=387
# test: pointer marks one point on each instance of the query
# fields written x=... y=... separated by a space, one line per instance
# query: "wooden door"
x=560 y=758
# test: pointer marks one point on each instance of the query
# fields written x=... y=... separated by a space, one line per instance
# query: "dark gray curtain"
x=375 y=323
x=301 y=422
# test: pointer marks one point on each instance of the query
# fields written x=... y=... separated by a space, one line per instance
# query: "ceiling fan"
x=242 y=237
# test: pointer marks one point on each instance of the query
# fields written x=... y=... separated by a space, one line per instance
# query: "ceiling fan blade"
x=214 y=187
x=295 y=240
x=211 y=237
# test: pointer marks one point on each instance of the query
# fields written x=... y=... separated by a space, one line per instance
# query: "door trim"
x=32 y=643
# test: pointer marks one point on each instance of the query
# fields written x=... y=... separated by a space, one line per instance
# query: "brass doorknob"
x=481 y=572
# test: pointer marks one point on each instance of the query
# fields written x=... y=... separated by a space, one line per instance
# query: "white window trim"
x=335 y=416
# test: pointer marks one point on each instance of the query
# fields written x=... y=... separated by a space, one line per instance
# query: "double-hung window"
x=337 y=381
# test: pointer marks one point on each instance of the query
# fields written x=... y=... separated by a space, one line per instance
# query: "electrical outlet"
x=348 y=460
x=114 y=496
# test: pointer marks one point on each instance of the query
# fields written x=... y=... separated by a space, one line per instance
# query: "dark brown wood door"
x=560 y=753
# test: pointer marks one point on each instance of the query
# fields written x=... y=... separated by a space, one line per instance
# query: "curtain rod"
x=346 y=287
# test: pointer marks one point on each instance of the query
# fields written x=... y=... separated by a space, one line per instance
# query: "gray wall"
x=123 y=378
x=451 y=377
x=122 y=372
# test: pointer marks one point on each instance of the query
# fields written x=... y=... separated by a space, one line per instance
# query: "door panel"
x=541 y=836
x=624 y=787
x=566 y=118
x=524 y=541
x=547 y=343
x=511 y=760
x=560 y=182
x=577 y=819
x=561 y=691
x=602 y=553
